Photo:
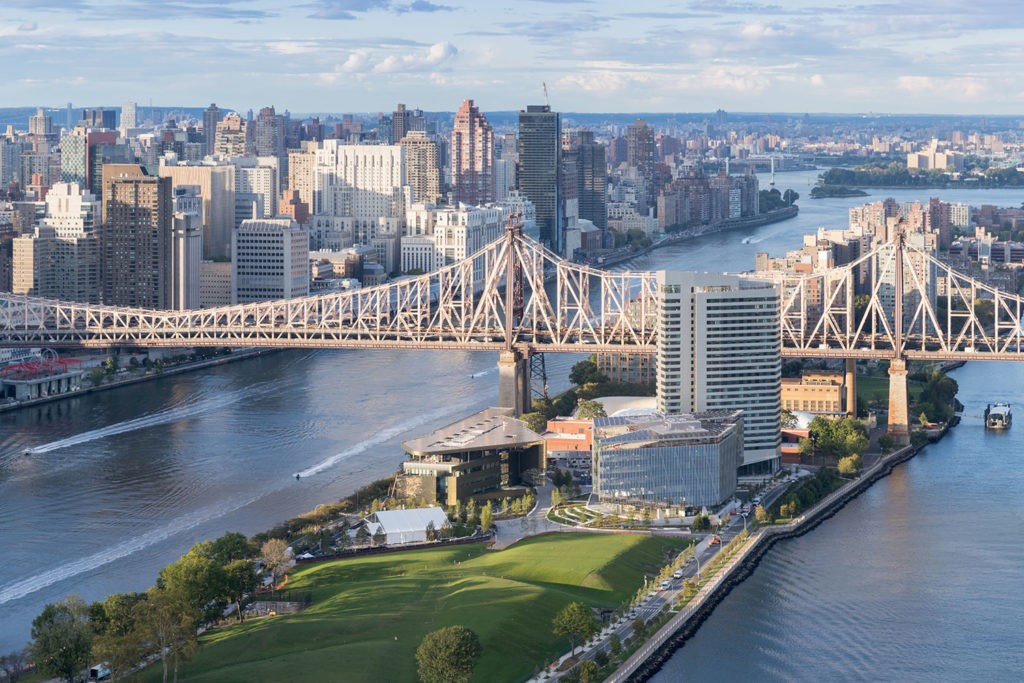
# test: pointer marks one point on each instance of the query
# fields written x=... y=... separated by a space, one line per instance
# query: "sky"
x=310 y=56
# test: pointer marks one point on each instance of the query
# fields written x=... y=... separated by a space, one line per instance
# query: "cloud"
x=817 y=80
x=347 y=10
x=434 y=56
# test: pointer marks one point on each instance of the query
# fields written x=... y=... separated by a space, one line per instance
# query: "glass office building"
x=658 y=459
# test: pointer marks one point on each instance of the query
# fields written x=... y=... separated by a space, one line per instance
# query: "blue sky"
x=900 y=56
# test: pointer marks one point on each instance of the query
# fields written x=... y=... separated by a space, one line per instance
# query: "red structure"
x=46 y=367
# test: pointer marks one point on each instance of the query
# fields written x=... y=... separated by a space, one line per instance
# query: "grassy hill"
x=369 y=614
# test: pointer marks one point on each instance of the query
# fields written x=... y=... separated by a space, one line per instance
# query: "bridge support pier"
x=851 y=387
x=514 y=382
x=899 y=418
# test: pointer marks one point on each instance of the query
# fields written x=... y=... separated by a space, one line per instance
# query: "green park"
x=367 y=615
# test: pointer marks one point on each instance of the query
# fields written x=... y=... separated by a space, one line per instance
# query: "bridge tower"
x=514 y=361
x=899 y=412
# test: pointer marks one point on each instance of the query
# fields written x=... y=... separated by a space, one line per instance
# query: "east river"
x=920 y=577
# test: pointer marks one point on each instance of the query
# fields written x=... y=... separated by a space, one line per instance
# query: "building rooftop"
x=490 y=428
x=654 y=428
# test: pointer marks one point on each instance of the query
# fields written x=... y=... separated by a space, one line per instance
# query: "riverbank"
x=149 y=375
x=766 y=218
x=647 y=661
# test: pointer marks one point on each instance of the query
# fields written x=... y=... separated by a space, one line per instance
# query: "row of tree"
x=128 y=629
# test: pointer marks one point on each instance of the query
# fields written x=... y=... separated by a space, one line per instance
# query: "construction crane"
x=546 y=100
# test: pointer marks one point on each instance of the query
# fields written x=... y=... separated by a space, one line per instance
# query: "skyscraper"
x=540 y=152
x=593 y=173
x=211 y=117
x=100 y=118
x=642 y=154
x=129 y=115
x=719 y=349
x=270 y=260
x=422 y=168
x=229 y=140
x=472 y=157
x=135 y=240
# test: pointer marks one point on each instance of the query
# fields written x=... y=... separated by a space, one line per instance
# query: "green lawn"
x=876 y=389
x=369 y=614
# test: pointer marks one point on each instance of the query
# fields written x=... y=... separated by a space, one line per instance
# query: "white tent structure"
x=406 y=526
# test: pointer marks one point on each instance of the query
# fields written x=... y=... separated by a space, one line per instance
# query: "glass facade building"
x=658 y=459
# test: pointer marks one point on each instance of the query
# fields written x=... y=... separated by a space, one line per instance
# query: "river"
x=124 y=481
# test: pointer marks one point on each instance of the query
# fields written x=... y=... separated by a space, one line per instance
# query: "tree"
x=701 y=523
x=431 y=531
x=586 y=372
x=761 y=515
x=230 y=547
x=588 y=410
x=448 y=655
x=790 y=197
x=62 y=638
x=535 y=421
x=615 y=644
x=486 y=517
x=379 y=537
x=277 y=557
x=196 y=579
x=788 y=419
x=168 y=625
x=115 y=624
x=639 y=627
x=576 y=622
x=240 y=579
x=363 y=535
x=886 y=442
x=13 y=664
x=849 y=465
x=588 y=671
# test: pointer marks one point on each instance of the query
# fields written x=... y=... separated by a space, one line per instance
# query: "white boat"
x=998 y=416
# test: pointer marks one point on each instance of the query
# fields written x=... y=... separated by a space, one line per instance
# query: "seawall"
x=646 y=661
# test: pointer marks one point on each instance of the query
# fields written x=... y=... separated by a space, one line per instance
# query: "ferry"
x=998 y=416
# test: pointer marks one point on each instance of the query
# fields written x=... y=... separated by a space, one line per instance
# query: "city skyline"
x=366 y=55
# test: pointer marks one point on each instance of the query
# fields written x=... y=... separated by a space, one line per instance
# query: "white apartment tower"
x=719 y=348
x=270 y=260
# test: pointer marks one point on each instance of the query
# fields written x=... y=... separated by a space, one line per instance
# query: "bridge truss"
x=551 y=305
x=899 y=302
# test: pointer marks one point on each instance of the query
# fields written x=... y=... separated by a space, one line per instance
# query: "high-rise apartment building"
x=472 y=157
x=719 y=348
x=211 y=117
x=230 y=140
x=268 y=137
x=135 y=240
x=422 y=167
x=269 y=260
x=40 y=127
x=216 y=182
x=129 y=115
x=186 y=248
x=257 y=179
x=540 y=154
x=74 y=157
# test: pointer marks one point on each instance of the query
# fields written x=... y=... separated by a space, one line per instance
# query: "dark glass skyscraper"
x=540 y=151
x=593 y=170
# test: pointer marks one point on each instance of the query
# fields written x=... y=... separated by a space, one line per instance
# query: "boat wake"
x=20 y=589
x=381 y=437
x=158 y=418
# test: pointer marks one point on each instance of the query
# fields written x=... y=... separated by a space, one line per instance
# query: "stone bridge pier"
x=899 y=413
x=514 y=381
